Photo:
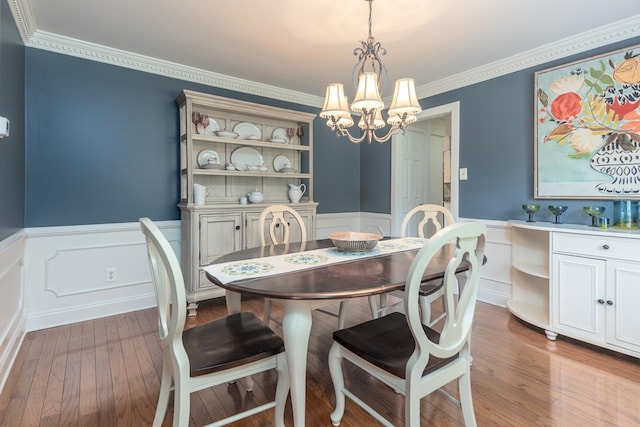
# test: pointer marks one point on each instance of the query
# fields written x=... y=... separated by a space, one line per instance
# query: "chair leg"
x=337 y=377
x=267 y=311
x=425 y=310
x=373 y=305
x=411 y=407
x=282 y=388
x=383 y=304
x=181 y=405
x=163 y=398
x=464 y=387
x=342 y=314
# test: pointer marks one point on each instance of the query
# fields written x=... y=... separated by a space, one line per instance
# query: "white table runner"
x=232 y=271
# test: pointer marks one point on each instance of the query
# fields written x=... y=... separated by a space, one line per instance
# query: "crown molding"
x=23 y=17
x=95 y=52
x=25 y=21
x=601 y=36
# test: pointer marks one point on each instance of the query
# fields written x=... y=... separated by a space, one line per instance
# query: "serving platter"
x=205 y=155
x=279 y=162
x=246 y=130
x=243 y=156
x=279 y=135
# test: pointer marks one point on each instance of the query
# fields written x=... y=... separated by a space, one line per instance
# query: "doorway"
x=414 y=180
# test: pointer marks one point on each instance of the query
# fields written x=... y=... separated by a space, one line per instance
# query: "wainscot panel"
x=12 y=321
x=76 y=273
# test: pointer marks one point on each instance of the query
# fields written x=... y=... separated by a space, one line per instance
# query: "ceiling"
x=302 y=45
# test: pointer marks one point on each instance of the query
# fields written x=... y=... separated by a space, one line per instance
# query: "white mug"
x=200 y=192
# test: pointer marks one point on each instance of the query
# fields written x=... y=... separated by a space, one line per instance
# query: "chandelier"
x=367 y=102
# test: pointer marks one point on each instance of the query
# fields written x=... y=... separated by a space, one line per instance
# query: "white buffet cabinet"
x=579 y=281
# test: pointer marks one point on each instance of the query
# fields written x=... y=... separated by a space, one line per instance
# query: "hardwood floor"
x=106 y=372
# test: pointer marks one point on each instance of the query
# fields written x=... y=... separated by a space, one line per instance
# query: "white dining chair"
x=425 y=220
x=278 y=217
x=209 y=354
x=402 y=352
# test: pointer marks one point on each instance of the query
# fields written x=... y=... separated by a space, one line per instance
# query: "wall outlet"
x=463 y=174
x=112 y=274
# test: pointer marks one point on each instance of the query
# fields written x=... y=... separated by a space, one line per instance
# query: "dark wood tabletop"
x=350 y=279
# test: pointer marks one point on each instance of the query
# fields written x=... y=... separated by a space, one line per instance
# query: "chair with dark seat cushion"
x=217 y=352
x=424 y=221
x=402 y=352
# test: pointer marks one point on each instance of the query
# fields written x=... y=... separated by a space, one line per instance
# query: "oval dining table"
x=302 y=291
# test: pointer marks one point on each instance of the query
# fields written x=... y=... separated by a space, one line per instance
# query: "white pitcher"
x=296 y=192
x=200 y=192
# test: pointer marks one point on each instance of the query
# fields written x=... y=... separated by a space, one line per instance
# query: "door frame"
x=452 y=109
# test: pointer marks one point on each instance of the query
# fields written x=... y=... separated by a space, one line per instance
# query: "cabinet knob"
x=609 y=302
x=605 y=246
x=600 y=301
x=277 y=225
x=237 y=227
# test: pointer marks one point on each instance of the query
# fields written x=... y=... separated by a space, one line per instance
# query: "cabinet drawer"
x=598 y=246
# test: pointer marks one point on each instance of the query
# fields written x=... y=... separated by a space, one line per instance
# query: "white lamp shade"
x=404 y=100
x=335 y=102
x=367 y=97
x=365 y=122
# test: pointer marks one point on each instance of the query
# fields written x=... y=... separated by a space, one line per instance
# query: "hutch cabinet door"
x=220 y=234
x=578 y=305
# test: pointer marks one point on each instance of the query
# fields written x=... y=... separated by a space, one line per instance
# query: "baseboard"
x=80 y=313
x=10 y=346
x=12 y=316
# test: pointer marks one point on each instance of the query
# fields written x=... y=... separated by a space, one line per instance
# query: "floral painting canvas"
x=588 y=128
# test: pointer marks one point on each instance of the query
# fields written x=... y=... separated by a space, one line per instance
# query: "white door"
x=413 y=180
x=399 y=199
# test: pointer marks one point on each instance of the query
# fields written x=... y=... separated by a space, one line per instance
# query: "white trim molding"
x=33 y=37
x=12 y=317
x=77 y=273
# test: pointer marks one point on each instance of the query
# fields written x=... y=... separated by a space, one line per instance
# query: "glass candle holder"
x=625 y=214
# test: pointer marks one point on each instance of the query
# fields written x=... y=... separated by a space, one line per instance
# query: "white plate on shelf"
x=205 y=155
x=243 y=156
x=227 y=134
x=280 y=135
x=279 y=161
x=245 y=130
x=209 y=130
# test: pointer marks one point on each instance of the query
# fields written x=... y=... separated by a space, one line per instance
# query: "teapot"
x=256 y=197
x=296 y=192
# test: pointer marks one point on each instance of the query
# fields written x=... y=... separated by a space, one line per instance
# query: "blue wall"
x=12 y=163
x=496 y=145
x=102 y=146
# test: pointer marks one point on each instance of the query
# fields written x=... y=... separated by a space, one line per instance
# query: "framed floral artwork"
x=587 y=128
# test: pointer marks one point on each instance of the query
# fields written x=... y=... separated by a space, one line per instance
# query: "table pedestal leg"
x=296 y=327
x=233 y=300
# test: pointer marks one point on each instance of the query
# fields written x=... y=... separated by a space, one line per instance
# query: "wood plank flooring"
x=106 y=372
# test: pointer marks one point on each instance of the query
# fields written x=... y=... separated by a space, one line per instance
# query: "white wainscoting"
x=12 y=320
x=68 y=268
x=495 y=283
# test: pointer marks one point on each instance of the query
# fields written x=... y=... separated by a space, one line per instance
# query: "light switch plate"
x=4 y=127
x=463 y=174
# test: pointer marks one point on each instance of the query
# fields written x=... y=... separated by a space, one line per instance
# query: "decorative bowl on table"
x=557 y=210
x=350 y=241
x=594 y=212
x=530 y=209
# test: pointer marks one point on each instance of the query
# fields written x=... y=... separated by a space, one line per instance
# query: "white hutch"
x=269 y=137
